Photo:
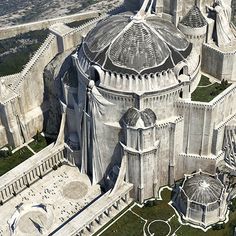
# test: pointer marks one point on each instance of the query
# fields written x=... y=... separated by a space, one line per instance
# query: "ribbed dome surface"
x=194 y=18
x=203 y=189
x=124 y=45
x=132 y=117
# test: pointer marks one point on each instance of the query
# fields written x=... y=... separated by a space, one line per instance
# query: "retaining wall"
x=12 y=31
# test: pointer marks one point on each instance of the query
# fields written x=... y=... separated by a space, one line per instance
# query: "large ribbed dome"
x=128 y=46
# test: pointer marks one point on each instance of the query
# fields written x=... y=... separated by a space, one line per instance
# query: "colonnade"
x=34 y=172
x=105 y=216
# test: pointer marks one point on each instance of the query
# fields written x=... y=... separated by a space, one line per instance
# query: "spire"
x=141 y=14
x=149 y=12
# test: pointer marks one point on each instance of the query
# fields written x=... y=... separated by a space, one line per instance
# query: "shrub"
x=218 y=226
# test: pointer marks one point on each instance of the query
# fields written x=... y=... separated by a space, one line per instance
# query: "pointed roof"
x=194 y=18
x=136 y=118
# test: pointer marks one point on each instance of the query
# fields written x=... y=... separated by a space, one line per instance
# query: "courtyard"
x=160 y=219
x=48 y=203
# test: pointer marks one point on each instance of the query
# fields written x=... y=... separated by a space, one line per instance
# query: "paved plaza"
x=48 y=203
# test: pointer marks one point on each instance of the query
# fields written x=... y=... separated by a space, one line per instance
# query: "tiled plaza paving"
x=48 y=203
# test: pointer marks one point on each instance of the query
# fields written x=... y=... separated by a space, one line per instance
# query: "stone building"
x=123 y=83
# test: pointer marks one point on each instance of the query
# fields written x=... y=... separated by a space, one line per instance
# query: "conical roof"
x=132 y=116
x=194 y=18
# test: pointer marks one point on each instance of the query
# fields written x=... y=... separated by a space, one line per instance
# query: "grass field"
x=39 y=143
x=16 y=52
x=9 y=162
x=147 y=217
x=208 y=91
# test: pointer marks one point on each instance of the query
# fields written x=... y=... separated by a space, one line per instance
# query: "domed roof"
x=194 y=18
x=202 y=188
x=133 y=117
x=125 y=45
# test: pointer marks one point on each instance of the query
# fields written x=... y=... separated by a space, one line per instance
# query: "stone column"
x=127 y=198
x=109 y=212
x=141 y=184
x=45 y=165
x=3 y=195
x=6 y=194
x=29 y=177
x=91 y=230
x=99 y=220
x=204 y=214
x=187 y=208
x=40 y=169
x=26 y=182
x=21 y=180
x=201 y=151
x=118 y=205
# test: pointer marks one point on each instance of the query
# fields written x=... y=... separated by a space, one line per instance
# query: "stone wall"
x=24 y=112
x=25 y=109
x=12 y=31
x=218 y=63
x=205 y=121
x=31 y=170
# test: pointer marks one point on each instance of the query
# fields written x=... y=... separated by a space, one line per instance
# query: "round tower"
x=194 y=26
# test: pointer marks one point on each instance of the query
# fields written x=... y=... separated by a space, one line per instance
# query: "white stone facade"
x=128 y=119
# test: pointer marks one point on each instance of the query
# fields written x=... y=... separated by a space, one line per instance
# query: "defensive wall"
x=12 y=31
x=23 y=104
x=205 y=122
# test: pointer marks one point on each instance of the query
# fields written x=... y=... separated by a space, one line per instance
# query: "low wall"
x=12 y=31
x=30 y=171
x=217 y=63
x=188 y=163
x=85 y=223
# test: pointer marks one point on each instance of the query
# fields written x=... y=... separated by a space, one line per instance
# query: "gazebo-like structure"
x=201 y=199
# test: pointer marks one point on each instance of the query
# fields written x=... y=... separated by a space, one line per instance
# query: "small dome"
x=124 y=45
x=146 y=118
x=203 y=189
x=202 y=199
x=194 y=18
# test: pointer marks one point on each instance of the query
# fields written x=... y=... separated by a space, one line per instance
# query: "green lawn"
x=9 y=162
x=130 y=224
x=206 y=94
x=19 y=51
x=39 y=143
x=159 y=228
x=204 y=81
x=161 y=211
